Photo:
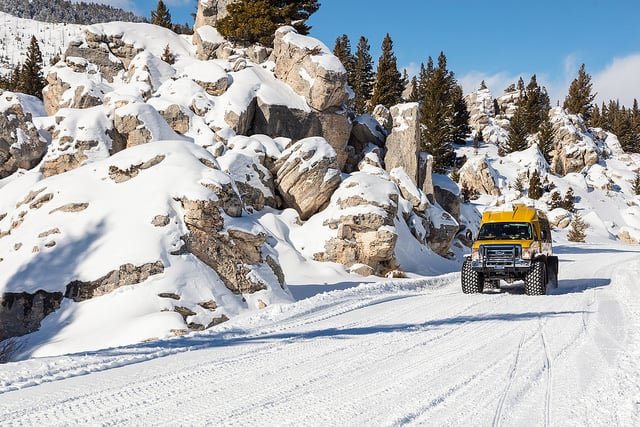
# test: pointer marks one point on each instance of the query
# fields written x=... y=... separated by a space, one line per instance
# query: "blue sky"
x=496 y=41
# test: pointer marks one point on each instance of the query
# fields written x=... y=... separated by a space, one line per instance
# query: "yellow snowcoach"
x=513 y=243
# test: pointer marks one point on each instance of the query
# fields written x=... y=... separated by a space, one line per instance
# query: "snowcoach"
x=513 y=243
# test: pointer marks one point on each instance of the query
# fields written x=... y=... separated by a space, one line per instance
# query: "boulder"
x=480 y=107
x=361 y=217
x=310 y=68
x=307 y=174
x=409 y=191
x=20 y=143
x=67 y=88
x=425 y=175
x=403 y=143
x=138 y=123
x=478 y=176
x=442 y=230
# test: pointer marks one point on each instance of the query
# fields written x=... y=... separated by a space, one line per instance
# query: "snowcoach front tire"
x=535 y=282
x=472 y=281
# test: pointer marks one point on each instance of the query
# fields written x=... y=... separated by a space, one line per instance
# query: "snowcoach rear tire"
x=535 y=282
x=472 y=281
x=552 y=271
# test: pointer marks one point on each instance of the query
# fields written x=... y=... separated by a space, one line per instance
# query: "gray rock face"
x=278 y=120
x=403 y=143
x=310 y=68
x=307 y=175
x=20 y=142
x=365 y=130
x=21 y=313
x=480 y=107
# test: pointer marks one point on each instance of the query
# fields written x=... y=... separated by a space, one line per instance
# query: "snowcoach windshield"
x=505 y=231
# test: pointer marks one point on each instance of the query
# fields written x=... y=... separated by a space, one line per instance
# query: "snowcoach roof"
x=519 y=213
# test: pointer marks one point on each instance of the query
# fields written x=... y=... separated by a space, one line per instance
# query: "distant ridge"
x=62 y=11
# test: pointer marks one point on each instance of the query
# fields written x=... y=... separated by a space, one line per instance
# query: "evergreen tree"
x=536 y=105
x=161 y=16
x=578 y=226
x=556 y=200
x=535 y=186
x=363 y=76
x=256 y=21
x=168 y=56
x=437 y=112
x=414 y=96
x=517 y=134
x=460 y=121
x=30 y=78
x=388 y=86
x=579 y=100
x=568 y=203
x=596 y=118
x=546 y=139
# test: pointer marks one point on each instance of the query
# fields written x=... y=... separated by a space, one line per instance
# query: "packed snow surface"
x=416 y=352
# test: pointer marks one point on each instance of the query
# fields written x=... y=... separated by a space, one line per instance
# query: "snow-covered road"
x=390 y=353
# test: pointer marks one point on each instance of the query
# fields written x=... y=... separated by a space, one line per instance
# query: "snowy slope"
x=414 y=352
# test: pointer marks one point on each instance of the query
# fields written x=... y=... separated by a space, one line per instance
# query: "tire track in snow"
x=548 y=367
x=498 y=415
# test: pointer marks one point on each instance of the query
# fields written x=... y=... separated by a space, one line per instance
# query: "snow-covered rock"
x=403 y=142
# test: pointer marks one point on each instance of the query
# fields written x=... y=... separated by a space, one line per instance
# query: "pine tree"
x=535 y=186
x=414 y=96
x=437 y=112
x=536 y=105
x=517 y=135
x=546 y=139
x=256 y=21
x=168 y=56
x=161 y=16
x=460 y=120
x=363 y=76
x=342 y=50
x=578 y=226
x=556 y=200
x=579 y=100
x=30 y=79
x=568 y=203
x=388 y=86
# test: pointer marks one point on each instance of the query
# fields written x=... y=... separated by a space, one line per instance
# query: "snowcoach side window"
x=505 y=231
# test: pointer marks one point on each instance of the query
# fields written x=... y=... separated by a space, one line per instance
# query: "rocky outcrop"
x=127 y=274
x=77 y=137
x=575 y=149
x=21 y=312
x=478 y=176
x=364 y=224
x=209 y=11
x=282 y=121
x=310 y=68
x=236 y=255
x=365 y=130
x=307 y=174
x=20 y=143
x=403 y=143
x=480 y=107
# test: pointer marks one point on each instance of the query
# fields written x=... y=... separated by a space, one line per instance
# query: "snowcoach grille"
x=500 y=255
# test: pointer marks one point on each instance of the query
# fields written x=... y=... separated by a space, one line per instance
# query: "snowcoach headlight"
x=475 y=254
x=526 y=253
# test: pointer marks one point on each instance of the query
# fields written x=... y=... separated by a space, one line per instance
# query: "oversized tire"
x=535 y=282
x=552 y=271
x=472 y=281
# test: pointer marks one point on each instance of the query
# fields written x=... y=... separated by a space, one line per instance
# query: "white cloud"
x=619 y=80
